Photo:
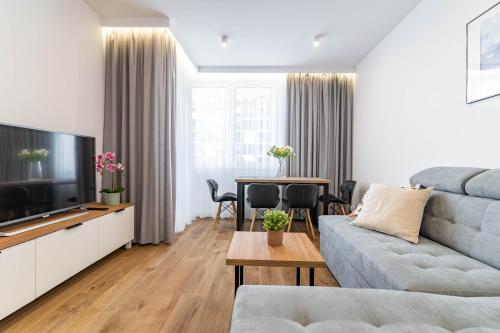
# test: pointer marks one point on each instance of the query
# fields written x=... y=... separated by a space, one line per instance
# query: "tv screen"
x=43 y=172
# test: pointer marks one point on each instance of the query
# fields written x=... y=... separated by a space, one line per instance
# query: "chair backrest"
x=263 y=195
x=302 y=195
x=347 y=190
x=213 y=188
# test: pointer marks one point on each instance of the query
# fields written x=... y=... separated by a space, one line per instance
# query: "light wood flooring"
x=182 y=287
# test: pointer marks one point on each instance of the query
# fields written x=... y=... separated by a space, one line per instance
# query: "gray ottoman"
x=283 y=309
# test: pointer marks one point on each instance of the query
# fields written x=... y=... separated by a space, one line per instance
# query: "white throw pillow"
x=393 y=210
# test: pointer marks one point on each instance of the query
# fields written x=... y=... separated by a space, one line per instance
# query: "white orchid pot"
x=111 y=199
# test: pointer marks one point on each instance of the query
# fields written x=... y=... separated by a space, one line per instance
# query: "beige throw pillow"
x=393 y=210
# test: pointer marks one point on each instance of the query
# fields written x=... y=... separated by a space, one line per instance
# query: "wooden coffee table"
x=251 y=249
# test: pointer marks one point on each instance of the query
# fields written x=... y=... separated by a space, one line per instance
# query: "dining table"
x=242 y=182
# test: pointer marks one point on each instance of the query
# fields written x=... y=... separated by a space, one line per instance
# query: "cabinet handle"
x=119 y=210
x=74 y=226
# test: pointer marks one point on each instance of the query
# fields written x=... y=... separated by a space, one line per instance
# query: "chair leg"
x=342 y=209
x=308 y=228
x=290 y=212
x=235 y=211
x=308 y=220
x=254 y=216
x=217 y=215
x=336 y=209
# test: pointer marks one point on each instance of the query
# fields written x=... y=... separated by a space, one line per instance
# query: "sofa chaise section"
x=283 y=309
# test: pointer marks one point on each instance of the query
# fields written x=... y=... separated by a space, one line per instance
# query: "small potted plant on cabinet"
x=274 y=223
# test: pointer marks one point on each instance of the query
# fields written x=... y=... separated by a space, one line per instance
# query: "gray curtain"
x=139 y=125
x=319 y=126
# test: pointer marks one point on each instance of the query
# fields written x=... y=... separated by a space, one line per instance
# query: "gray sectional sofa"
x=459 y=248
x=449 y=282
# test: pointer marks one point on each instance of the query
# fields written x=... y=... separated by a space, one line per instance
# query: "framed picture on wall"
x=483 y=55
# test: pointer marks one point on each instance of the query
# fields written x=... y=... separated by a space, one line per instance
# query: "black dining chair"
x=301 y=196
x=346 y=193
x=262 y=196
x=226 y=201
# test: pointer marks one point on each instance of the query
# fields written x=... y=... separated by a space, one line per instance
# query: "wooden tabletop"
x=251 y=249
x=283 y=180
x=6 y=242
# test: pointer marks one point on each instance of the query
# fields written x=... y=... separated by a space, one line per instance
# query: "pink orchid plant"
x=107 y=163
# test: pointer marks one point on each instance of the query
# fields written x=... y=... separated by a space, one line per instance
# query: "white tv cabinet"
x=35 y=261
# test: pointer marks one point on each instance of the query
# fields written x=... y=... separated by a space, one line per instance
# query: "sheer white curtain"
x=234 y=120
x=186 y=73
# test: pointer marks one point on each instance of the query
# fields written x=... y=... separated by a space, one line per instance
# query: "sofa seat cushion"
x=387 y=262
x=280 y=309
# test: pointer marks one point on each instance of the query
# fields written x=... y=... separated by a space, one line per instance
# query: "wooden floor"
x=183 y=287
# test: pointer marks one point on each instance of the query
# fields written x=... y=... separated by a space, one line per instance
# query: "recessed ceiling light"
x=223 y=41
x=316 y=41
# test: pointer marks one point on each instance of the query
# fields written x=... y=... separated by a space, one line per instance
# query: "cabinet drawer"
x=17 y=277
x=64 y=253
x=115 y=230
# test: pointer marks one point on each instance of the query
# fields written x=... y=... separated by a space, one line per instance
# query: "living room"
x=229 y=166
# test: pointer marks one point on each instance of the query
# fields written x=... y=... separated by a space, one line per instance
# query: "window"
x=224 y=132
x=209 y=108
x=253 y=128
x=235 y=122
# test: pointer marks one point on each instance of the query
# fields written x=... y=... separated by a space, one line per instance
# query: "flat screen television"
x=43 y=173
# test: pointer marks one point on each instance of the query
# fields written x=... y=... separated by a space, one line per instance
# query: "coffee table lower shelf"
x=239 y=273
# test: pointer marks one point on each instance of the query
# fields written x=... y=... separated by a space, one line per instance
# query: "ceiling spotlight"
x=316 y=41
x=223 y=41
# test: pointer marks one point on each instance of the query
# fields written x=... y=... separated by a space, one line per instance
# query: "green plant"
x=275 y=220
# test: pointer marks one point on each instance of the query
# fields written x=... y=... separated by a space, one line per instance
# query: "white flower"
x=40 y=154
x=24 y=154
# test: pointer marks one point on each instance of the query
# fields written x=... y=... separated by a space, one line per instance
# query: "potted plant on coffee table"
x=106 y=163
x=274 y=223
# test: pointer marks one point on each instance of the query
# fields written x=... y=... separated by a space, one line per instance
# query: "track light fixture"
x=316 y=41
x=223 y=41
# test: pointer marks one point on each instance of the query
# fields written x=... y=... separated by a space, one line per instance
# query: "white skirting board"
x=20 y=231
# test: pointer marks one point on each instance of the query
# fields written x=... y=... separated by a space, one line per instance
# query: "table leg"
x=240 y=194
x=241 y=275
x=236 y=278
x=297 y=279
x=325 y=193
x=311 y=276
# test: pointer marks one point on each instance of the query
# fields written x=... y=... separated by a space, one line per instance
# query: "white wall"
x=51 y=66
x=410 y=111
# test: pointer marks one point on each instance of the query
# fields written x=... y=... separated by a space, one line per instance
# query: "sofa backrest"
x=463 y=212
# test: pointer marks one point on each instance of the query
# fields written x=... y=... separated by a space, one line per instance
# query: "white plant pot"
x=111 y=199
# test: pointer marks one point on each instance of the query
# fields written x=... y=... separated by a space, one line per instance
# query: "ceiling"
x=271 y=35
